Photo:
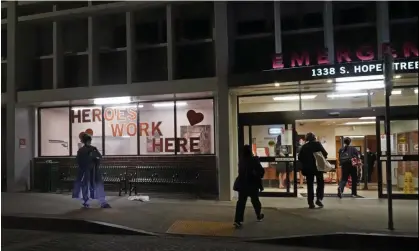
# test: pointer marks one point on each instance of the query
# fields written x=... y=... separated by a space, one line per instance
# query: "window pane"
x=89 y=120
x=269 y=103
x=404 y=178
x=195 y=126
x=317 y=101
x=121 y=130
x=157 y=128
x=399 y=97
x=55 y=136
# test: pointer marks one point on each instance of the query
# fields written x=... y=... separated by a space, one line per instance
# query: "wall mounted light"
x=347 y=95
x=367 y=118
x=112 y=101
x=416 y=91
x=277 y=84
x=169 y=104
x=361 y=78
x=294 y=97
x=356 y=86
x=360 y=123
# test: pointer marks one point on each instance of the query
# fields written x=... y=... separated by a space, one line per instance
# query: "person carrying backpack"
x=349 y=161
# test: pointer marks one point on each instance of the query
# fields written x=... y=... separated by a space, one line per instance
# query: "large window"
x=55 y=136
x=195 y=126
x=156 y=128
x=120 y=130
x=86 y=119
x=151 y=128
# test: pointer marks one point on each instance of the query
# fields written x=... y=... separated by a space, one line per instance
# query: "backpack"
x=344 y=156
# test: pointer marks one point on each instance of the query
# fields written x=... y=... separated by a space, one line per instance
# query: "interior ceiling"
x=311 y=85
x=163 y=97
x=333 y=121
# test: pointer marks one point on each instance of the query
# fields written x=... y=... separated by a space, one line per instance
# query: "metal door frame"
x=381 y=159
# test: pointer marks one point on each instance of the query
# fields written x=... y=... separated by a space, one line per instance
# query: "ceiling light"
x=345 y=95
x=112 y=101
x=396 y=92
x=169 y=104
x=356 y=86
x=397 y=76
x=416 y=91
x=329 y=81
x=361 y=78
x=367 y=118
x=277 y=84
x=360 y=123
x=122 y=107
x=140 y=106
x=360 y=136
x=294 y=97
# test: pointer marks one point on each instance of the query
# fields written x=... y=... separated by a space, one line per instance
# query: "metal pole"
x=388 y=74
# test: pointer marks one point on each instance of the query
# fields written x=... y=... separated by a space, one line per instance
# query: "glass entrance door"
x=274 y=145
x=404 y=157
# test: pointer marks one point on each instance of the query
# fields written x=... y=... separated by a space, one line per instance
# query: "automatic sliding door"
x=273 y=144
x=404 y=158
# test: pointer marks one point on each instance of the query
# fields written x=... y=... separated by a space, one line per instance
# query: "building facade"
x=172 y=73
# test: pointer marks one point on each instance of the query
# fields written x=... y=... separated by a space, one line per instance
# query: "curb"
x=68 y=225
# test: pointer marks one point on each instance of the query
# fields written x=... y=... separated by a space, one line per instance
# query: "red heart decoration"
x=194 y=117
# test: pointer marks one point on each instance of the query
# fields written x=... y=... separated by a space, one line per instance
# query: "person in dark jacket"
x=248 y=184
x=346 y=153
x=309 y=169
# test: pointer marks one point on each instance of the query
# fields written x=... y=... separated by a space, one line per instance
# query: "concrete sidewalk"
x=284 y=216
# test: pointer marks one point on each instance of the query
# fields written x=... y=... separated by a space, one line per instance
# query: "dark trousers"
x=310 y=187
x=349 y=170
x=241 y=204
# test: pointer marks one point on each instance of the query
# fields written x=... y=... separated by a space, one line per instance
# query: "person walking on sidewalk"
x=349 y=159
x=248 y=184
x=89 y=183
x=309 y=169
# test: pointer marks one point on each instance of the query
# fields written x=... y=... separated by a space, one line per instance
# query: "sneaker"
x=319 y=203
x=354 y=196
x=237 y=224
x=261 y=217
x=311 y=206
x=85 y=205
x=339 y=193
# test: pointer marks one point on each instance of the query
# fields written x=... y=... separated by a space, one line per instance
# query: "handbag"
x=355 y=162
x=322 y=164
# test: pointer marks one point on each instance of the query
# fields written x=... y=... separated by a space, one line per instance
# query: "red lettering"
x=387 y=49
x=365 y=53
x=168 y=142
x=131 y=129
x=75 y=116
x=155 y=128
x=303 y=59
x=157 y=146
x=132 y=114
x=143 y=129
x=409 y=48
x=97 y=115
x=85 y=116
x=120 y=114
x=323 y=57
x=109 y=114
x=182 y=142
x=342 y=55
x=117 y=129
x=278 y=61
x=194 y=145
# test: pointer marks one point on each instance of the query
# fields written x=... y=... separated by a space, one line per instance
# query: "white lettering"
x=416 y=65
x=364 y=68
x=357 y=69
x=410 y=66
x=396 y=66
x=342 y=70
x=371 y=67
x=379 y=67
x=403 y=66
